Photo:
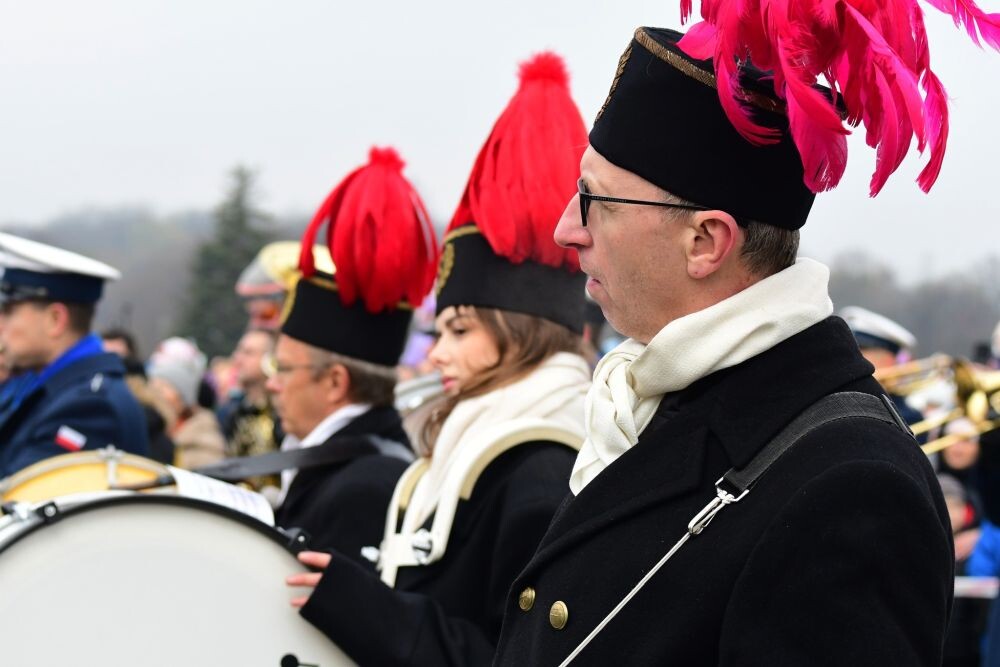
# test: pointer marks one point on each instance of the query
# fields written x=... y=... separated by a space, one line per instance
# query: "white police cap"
x=33 y=270
x=874 y=330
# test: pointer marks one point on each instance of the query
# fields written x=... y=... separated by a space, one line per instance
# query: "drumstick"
x=158 y=482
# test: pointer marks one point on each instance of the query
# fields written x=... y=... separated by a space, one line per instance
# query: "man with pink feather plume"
x=746 y=494
x=332 y=375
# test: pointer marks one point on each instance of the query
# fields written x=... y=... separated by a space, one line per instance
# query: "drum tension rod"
x=298 y=539
x=48 y=513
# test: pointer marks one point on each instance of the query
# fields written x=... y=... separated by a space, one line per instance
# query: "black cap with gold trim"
x=663 y=121
x=471 y=273
x=385 y=252
x=318 y=317
x=499 y=251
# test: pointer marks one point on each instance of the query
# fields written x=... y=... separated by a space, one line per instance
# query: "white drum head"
x=152 y=581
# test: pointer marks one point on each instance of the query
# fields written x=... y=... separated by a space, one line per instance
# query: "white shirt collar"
x=332 y=423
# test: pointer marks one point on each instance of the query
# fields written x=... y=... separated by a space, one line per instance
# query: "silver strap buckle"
x=705 y=516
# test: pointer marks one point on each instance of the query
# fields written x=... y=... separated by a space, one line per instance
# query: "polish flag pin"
x=70 y=439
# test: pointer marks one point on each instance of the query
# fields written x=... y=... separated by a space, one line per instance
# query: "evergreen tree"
x=213 y=315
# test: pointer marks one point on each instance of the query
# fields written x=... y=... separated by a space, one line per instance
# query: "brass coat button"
x=526 y=600
x=559 y=615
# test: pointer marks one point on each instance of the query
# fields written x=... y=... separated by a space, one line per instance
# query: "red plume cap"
x=874 y=54
x=527 y=170
x=380 y=237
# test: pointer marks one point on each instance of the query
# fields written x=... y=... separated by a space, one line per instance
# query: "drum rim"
x=290 y=543
x=84 y=457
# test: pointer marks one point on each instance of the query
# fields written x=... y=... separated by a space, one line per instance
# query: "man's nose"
x=570 y=232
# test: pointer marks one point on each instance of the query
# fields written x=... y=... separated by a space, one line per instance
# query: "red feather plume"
x=873 y=54
x=526 y=172
x=380 y=237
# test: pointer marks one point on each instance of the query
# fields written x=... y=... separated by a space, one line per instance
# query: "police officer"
x=882 y=341
x=839 y=552
x=74 y=395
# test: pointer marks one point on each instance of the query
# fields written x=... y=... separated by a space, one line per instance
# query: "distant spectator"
x=248 y=418
x=968 y=617
x=222 y=375
x=176 y=371
x=207 y=395
x=960 y=460
x=121 y=342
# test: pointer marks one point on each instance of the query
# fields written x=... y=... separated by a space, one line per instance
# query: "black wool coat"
x=342 y=506
x=841 y=554
x=449 y=612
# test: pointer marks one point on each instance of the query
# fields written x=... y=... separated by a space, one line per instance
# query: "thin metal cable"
x=625 y=600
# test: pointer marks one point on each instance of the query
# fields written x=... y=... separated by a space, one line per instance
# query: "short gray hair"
x=767 y=249
x=370 y=383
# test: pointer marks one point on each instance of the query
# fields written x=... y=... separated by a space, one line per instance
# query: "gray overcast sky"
x=110 y=102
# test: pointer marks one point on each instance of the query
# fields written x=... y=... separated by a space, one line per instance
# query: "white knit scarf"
x=631 y=380
x=555 y=390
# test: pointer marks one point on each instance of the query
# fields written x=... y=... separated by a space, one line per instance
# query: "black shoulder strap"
x=335 y=450
x=736 y=484
x=843 y=405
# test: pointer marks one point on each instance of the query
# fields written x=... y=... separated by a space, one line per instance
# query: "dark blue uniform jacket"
x=86 y=398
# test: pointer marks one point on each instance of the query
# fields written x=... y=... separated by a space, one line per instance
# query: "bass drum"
x=119 y=580
x=80 y=472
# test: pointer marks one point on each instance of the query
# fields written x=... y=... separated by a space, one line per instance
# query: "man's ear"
x=712 y=237
x=56 y=319
x=339 y=383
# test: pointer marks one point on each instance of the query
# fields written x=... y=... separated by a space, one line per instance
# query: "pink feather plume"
x=380 y=236
x=873 y=54
x=964 y=12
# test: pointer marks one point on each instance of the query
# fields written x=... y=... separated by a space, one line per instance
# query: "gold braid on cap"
x=447 y=263
x=614 y=84
x=688 y=68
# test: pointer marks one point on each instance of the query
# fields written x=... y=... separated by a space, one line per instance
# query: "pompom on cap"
x=527 y=169
x=379 y=234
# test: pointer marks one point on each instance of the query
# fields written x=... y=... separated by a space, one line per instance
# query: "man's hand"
x=314 y=560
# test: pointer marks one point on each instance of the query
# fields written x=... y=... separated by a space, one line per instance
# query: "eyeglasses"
x=271 y=368
x=586 y=197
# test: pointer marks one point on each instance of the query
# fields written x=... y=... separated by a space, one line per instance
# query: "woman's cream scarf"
x=555 y=391
x=630 y=381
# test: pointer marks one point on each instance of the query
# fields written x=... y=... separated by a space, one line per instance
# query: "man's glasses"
x=586 y=197
x=272 y=368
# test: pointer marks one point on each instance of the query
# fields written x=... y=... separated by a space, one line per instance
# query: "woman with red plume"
x=497 y=453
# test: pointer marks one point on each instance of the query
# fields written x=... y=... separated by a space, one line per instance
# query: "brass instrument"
x=275 y=269
x=416 y=399
x=978 y=393
x=907 y=378
x=947 y=441
x=979 y=389
x=914 y=376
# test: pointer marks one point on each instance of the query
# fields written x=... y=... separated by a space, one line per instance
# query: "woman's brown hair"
x=523 y=342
